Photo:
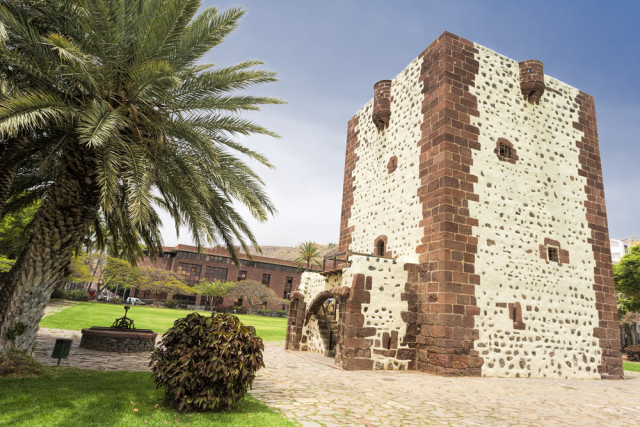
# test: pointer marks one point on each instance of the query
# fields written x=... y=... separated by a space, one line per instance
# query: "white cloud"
x=306 y=184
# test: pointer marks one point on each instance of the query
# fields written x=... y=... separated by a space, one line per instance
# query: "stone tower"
x=473 y=234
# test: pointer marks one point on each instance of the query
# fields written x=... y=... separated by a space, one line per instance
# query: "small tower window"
x=551 y=251
x=505 y=151
x=380 y=246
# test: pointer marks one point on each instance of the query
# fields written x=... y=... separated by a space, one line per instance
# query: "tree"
x=627 y=273
x=254 y=293
x=159 y=282
x=104 y=271
x=117 y=273
x=214 y=291
x=308 y=255
x=5 y=264
x=14 y=231
x=627 y=277
x=121 y=121
x=80 y=270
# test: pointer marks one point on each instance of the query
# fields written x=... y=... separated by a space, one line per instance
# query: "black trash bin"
x=61 y=348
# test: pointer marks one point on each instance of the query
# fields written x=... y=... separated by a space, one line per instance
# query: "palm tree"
x=308 y=255
x=122 y=121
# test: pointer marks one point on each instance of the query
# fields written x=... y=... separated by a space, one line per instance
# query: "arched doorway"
x=321 y=327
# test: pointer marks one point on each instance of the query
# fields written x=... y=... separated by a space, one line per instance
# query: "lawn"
x=81 y=397
x=631 y=366
x=87 y=314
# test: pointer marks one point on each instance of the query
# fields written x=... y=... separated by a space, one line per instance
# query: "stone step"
x=325 y=332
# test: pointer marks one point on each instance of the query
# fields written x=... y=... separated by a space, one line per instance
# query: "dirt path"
x=56 y=305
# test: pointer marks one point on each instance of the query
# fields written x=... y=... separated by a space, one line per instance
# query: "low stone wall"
x=118 y=340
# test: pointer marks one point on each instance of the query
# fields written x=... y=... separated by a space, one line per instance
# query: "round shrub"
x=207 y=363
x=78 y=295
x=58 y=293
x=633 y=352
x=171 y=303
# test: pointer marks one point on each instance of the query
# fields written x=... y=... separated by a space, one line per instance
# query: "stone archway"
x=320 y=330
x=315 y=305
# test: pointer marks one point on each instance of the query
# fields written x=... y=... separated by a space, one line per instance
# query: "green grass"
x=631 y=366
x=89 y=314
x=77 y=397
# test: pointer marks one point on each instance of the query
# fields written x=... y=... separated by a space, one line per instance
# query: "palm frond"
x=231 y=124
x=99 y=123
x=205 y=32
x=33 y=110
x=151 y=80
x=164 y=30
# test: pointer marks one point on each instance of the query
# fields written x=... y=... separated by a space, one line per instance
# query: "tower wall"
x=382 y=170
x=537 y=314
x=490 y=181
x=446 y=301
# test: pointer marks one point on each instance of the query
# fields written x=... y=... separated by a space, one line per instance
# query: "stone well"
x=118 y=340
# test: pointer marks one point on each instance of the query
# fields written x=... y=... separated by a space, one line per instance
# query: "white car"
x=134 y=301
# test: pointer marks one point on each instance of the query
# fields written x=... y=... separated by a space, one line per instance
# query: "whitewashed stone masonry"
x=540 y=196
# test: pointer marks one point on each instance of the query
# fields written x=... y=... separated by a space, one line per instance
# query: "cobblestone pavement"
x=313 y=392
x=84 y=358
x=308 y=389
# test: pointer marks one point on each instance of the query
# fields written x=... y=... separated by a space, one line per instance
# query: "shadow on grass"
x=86 y=398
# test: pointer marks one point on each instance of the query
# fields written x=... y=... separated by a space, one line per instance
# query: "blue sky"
x=328 y=54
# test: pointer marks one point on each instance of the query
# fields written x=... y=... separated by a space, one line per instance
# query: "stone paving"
x=84 y=358
x=310 y=390
x=313 y=392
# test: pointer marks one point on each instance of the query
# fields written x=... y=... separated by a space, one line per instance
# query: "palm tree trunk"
x=12 y=150
x=67 y=210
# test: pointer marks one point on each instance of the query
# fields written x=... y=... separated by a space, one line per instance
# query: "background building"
x=619 y=248
x=216 y=264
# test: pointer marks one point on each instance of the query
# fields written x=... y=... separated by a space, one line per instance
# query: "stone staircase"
x=328 y=334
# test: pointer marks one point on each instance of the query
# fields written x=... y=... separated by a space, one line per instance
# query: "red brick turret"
x=532 y=80
x=381 y=104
